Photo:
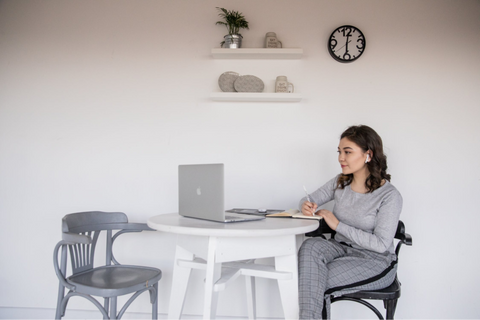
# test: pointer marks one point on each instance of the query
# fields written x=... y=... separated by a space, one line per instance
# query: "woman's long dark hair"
x=367 y=139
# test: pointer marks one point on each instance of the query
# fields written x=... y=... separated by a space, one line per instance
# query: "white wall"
x=101 y=100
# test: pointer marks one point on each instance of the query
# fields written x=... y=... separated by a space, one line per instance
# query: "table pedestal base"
x=226 y=258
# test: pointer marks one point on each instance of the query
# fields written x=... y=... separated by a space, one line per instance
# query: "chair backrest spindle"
x=88 y=224
x=82 y=255
x=108 y=257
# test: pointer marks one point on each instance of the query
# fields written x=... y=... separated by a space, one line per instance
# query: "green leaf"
x=232 y=20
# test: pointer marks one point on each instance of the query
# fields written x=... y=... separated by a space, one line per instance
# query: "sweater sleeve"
x=381 y=239
x=323 y=194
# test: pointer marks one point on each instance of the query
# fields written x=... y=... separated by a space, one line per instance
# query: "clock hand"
x=346 y=45
x=343 y=45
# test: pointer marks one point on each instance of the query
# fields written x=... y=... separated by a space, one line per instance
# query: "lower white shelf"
x=256 y=97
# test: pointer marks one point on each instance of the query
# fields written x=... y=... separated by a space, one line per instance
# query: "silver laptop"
x=201 y=194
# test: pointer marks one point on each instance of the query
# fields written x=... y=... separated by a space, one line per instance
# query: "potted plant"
x=234 y=21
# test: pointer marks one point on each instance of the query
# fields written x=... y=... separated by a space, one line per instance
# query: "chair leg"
x=60 y=312
x=113 y=308
x=106 y=305
x=361 y=301
x=391 y=306
x=155 y=302
x=61 y=293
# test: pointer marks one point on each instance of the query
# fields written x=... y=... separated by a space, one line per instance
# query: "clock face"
x=346 y=44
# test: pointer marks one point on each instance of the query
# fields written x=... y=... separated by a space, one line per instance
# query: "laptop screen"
x=201 y=191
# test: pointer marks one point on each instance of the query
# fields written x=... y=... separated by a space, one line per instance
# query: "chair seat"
x=391 y=292
x=115 y=280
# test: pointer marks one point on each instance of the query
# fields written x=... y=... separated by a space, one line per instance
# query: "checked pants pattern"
x=329 y=268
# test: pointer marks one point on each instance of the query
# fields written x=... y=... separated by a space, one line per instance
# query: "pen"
x=308 y=197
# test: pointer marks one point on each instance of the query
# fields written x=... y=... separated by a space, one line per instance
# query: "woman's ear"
x=369 y=156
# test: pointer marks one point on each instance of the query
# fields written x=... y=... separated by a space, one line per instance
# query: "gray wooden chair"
x=80 y=232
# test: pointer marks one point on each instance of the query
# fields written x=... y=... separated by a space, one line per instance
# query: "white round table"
x=221 y=249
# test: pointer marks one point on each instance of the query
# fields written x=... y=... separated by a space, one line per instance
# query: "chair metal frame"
x=80 y=232
x=389 y=295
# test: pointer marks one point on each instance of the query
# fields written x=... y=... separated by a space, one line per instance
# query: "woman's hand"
x=329 y=218
x=309 y=208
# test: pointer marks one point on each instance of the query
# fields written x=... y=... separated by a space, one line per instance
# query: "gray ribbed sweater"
x=367 y=221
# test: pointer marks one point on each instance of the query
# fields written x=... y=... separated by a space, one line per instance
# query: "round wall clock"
x=346 y=44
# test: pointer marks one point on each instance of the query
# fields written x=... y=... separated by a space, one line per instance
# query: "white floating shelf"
x=256 y=97
x=257 y=53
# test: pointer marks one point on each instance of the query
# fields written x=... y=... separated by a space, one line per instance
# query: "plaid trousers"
x=329 y=268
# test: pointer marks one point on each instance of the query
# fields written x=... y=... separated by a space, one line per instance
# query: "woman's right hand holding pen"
x=309 y=208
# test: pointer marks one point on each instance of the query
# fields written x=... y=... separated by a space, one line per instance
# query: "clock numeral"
x=347 y=56
x=347 y=32
x=362 y=43
x=333 y=43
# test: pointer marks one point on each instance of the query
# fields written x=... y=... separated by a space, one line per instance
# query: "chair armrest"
x=137 y=226
x=68 y=238
x=60 y=270
x=404 y=238
x=407 y=239
x=127 y=228
x=74 y=238
x=131 y=227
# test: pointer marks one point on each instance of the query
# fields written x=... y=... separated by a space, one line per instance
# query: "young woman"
x=365 y=218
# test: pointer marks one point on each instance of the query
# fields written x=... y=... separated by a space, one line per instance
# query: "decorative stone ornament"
x=226 y=81
x=249 y=83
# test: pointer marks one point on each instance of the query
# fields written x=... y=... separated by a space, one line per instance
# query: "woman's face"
x=351 y=157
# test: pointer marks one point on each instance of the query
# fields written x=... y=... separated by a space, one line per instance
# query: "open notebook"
x=292 y=213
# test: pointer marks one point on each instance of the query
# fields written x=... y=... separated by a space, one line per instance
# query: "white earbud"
x=368 y=158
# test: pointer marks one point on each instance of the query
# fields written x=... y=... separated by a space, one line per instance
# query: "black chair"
x=390 y=294
x=80 y=232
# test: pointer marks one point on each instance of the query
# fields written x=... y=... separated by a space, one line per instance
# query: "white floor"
x=343 y=310
x=38 y=313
